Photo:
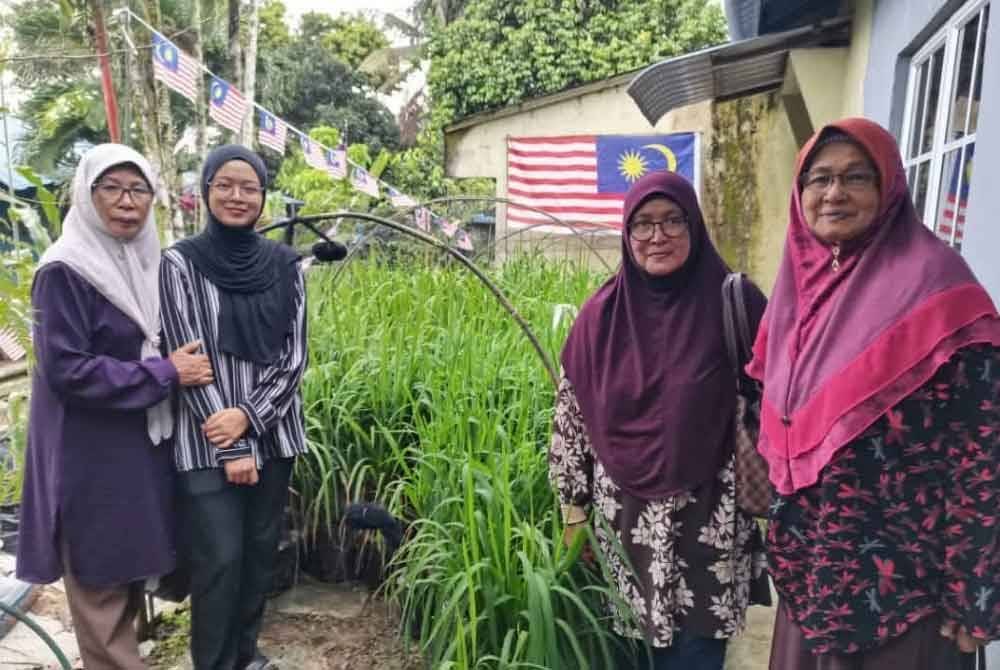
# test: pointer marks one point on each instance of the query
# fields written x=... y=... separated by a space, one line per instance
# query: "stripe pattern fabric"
x=558 y=175
x=268 y=394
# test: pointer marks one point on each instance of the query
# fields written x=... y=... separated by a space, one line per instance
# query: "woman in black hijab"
x=243 y=296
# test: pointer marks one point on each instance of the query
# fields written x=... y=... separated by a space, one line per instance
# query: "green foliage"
x=307 y=86
x=61 y=115
x=349 y=38
x=274 y=33
x=47 y=201
x=423 y=394
x=499 y=53
x=12 y=462
x=16 y=270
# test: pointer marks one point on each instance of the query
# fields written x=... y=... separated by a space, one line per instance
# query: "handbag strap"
x=736 y=321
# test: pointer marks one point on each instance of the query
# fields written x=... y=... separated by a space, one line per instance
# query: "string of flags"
x=228 y=108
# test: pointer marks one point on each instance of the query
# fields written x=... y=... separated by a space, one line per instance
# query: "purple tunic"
x=93 y=480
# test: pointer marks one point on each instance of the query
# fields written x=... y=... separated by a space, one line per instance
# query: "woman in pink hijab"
x=880 y=421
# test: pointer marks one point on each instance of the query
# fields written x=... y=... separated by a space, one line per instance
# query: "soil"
x=315 y=626
x=320 y=626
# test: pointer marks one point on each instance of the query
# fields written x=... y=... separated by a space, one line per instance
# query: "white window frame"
x=949 y=36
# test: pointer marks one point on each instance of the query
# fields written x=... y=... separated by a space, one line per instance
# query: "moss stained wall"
x=748 y=164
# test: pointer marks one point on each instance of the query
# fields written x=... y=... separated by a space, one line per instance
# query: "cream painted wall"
x=820 y=75
x=776 y=171
x=857 y=58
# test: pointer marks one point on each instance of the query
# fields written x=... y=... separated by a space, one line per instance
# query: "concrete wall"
x=982 y=229
x=899 y=27
x=747 y=150
x=480 y=150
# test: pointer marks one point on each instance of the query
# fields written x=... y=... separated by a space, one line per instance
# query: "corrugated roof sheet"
x=728 y=70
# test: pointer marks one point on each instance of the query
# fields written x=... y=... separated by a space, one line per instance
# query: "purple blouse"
x=93 y=483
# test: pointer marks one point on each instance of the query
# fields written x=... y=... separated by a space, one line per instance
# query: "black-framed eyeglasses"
x=227 y=188
x=115 y=192
x=643 y=231
x=856 y=181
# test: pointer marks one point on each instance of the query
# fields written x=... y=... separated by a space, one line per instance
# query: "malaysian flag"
x=272 y=132
x=951 y=219
x=226 y=105
x=313 y=152
x=399 y=199
x=336 y=162
x=448 y=228
x=582 y=179
x=175 y=68
x=422 y=219
x=364 y=182
x=463 y=241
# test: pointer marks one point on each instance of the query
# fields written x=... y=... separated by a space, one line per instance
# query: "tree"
x=307 y=86
x=498 y=53
x=64 y=104
x=274 y=32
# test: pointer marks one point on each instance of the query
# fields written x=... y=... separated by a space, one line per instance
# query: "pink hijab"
x=837 y=350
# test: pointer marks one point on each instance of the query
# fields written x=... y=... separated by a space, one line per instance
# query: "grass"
x=422 y=394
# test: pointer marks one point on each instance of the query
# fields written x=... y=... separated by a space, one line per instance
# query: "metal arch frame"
x=507 y=201
x=309 y=221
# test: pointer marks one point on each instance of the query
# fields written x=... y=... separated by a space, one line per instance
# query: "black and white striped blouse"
x=268 y=394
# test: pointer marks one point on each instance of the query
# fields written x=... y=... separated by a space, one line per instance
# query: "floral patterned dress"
x=904 y=523
x=698 y=562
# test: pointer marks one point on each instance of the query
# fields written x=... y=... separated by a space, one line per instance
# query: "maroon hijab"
x=647 y=360
x=838 y=349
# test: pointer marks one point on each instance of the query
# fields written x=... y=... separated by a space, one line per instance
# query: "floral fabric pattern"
x=903 y=524
x=696 y=561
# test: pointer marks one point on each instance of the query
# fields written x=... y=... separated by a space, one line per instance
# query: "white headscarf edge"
x=126 y=273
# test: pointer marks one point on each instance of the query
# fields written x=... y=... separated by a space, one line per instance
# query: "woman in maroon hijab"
x=880 y=421
x=643 y=438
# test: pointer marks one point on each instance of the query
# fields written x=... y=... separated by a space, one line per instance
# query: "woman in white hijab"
x=97 y=506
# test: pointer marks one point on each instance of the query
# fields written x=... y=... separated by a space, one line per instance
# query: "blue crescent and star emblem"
x=218 y=91
x=623 y=159
x=167 y=54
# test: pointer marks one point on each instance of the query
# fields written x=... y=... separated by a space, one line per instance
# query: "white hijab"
x=126 y=272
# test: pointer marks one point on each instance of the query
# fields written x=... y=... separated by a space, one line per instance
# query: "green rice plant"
x=424 y=395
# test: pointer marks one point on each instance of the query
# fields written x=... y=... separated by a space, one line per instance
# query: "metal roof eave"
x=728 y=70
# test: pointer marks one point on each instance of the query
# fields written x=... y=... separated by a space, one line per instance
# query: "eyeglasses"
x=855 y=180
x=643 y=231
x=115 y=192
x=226 y=188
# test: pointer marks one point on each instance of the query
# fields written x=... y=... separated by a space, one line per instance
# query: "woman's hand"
x=193 y=369
x=966 y=643
x=569 y=537
x=225 y=427
x=242 y=471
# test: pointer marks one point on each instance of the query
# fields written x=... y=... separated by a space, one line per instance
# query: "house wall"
x=481 y=151
x=899 y=27
x=747 y=150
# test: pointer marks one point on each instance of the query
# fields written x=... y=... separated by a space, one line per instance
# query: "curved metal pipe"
x=469 y=265
x=507 y=201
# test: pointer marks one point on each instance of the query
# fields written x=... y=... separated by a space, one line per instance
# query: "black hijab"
x=254 y=276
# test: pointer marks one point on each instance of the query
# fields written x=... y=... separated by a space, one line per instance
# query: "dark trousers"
x=688 y=652
x=230 y=539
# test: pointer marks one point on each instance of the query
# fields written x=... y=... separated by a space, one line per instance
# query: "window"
x=942 y=114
